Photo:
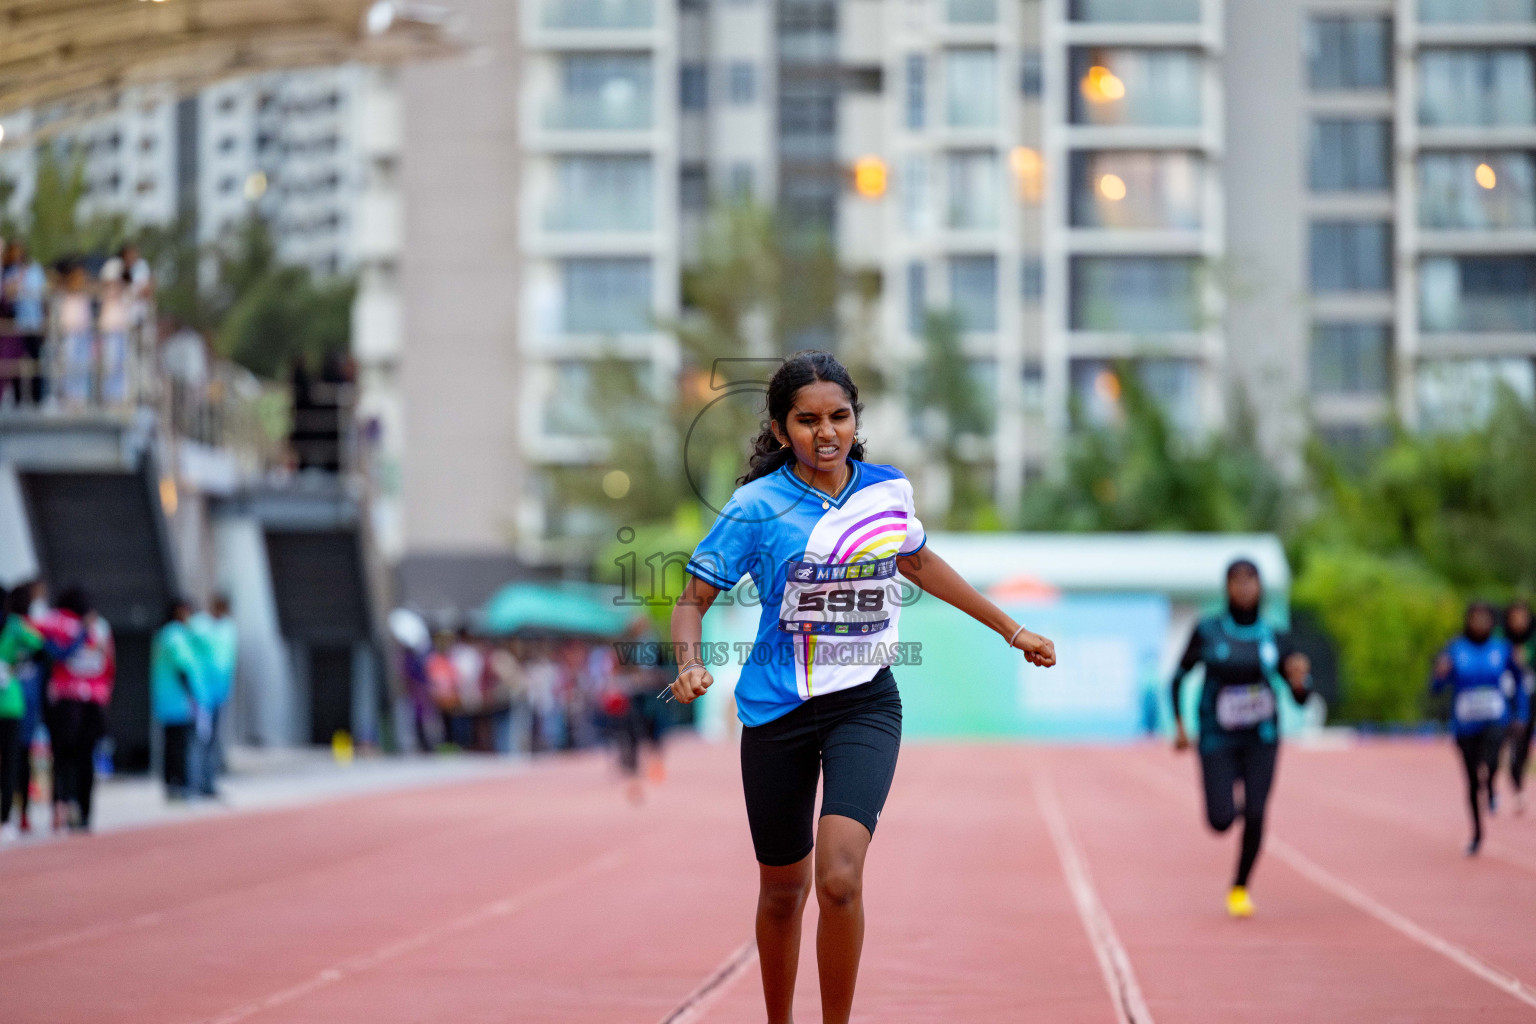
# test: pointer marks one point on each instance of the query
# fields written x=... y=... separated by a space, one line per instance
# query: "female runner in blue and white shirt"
x=823 y=535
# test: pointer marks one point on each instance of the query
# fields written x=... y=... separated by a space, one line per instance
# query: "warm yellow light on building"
x=1485 y=176
x=869 y=177
x=1101 y=85
x=616 y=484
x=1028 y=172
x=1112 y=187
x=169 y=496
x=1107 y=386
x=255 y=186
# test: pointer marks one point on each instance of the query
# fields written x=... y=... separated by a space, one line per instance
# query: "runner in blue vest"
x=823 y=534
x=1244 y=659
x=1479 y=669
x=1520 y=631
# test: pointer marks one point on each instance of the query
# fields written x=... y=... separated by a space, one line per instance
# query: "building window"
x=914 y=187
x=1031 y=278
x=1153 y=87
x=1478 y=11
x=227 y=144
x=1349 y=53
x=1133 y=189
x=1477 y=293
x=602 y=193
x=1135 y=293
x=227 y=185
x=1462 y=394
x=1476 y=87
x=973 y=190
x=970 y=87
x=603 y=91
x=973 y=291
x=693 y=87
x=970 y=12
x=693 y=187
x=1350 y=155
x=741 y=181
x=742 y=83
x=1135 y=10
x=606 y=295
x=1351 y=359
x=1174 y=384
x=917 y=95
x=1477 y=191
x=917 y=296
x=1031 y=74
x=1351 y=256
x=808 y=119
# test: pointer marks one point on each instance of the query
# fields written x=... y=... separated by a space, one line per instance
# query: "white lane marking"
x=1329 y=882
x=1319 y=876
x=716 y=985
x=367 y=961
x=1383 y=811
x=1119 y=977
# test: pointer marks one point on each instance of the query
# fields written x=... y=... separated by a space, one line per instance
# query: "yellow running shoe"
x=1238 y=902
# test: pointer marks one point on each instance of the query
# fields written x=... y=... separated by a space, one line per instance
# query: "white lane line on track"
x=1119 y=977
x=1324 y=879
x=373 y=958
x=1329 y=882
x=1382 y=811
x=716 y=985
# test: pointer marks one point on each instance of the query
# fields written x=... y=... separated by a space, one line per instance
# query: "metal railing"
x=197 y=397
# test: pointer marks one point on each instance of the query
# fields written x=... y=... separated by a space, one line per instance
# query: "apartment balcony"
x=1492 y=241
x=1148 y=241
x=614 y=122
x=591 y=24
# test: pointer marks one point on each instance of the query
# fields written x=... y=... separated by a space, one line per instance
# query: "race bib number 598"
x=847 y=600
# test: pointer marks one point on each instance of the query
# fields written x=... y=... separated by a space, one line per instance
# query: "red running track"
x=1008 y=883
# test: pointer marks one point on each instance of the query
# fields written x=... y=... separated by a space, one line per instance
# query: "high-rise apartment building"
x=1323 y=212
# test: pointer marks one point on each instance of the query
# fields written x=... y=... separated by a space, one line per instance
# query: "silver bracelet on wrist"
x=1015 y=635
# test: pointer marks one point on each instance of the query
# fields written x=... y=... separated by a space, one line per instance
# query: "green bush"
x=1388 y=617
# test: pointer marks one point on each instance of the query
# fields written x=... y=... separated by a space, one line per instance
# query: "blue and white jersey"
x=824 y=569
x=1482 y=683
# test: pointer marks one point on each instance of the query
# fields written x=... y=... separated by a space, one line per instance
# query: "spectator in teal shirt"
x=217 y=641
x=178 y=696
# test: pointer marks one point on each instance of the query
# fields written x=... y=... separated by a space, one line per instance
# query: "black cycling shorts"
x=850 y=738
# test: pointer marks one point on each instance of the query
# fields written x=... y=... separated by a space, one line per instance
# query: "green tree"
x=945 y=400
x=54 y=226
x=1141 y=474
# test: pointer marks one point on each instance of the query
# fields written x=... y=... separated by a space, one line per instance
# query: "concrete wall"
x=460 y=281
x=18 y=561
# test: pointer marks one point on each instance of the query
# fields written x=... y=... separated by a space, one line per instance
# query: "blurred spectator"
x=79 y=690
x=217 y=641
x=27 y=602
x=24 y=289
x=19 y=642
x=176 y=693
x=513 y=718
x=76 y=337
x=112 y=321
x=141 y=284
x=443 y=684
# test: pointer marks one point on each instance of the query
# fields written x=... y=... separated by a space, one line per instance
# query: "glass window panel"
x=1031 y=73
x=970 y=87
x=1349 y=53
x=1135 y=293
x=1350 y=155
x=807 y=31
x=808 y=119
x=743 y=83
x=1477 y=293
x=973 y=184
x=693 y=86
x=599 y=13
x=693 y=187
x=1473 y=191
x=1476 y=87
x=1174 y=384
x=1135 y=10
x=917 y=94
x=606 y=295
x=914 y=187
x=1351 y=359
x=1461 y=394
x=917 y=296
x=1477 y=11
x=970 y=12
x=973 y=291
x=1031 y=278
x=602 y=193
x=1153 y=87
x=1351 y=256
x=1131 y=189
x=603 y=91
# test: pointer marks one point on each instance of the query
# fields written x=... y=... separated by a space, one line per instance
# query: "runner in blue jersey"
x=1244 y=659
x=1479 y=669
x=827 y=539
